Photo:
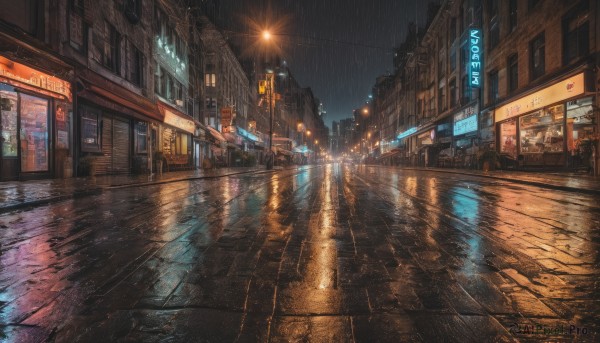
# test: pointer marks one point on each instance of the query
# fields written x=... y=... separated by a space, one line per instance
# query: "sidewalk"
x=571 y=182
x=18 y=194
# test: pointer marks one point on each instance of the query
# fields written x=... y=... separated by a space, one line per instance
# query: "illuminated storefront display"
x=30 y=100
x=542 y=129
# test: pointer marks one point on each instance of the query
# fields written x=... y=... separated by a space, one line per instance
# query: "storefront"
x=550 y=127
x=176 y=137
x=464 y=131
x=425 y=143
x=35 y=122
x=115 y=126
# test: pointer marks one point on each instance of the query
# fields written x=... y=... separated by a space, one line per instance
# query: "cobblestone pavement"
x=336 y=253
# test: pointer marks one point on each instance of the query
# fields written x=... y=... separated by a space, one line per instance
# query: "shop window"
x=512 y=14
x=34 y=133
x=493 y=87
x=576 y=33
x=90 y=129
x=542 y=131
x=508 y=138
x=141 y=137
x=580 y=125
x=513 y=72
x=537 y=56
x=8 y=123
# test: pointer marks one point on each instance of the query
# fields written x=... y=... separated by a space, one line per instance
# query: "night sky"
x=336 y=47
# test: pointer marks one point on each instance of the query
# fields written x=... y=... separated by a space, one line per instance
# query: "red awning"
x=98 y=85
x=218 y=136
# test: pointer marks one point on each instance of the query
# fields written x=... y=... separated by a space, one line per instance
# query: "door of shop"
x=24 y=143
x=116 y=145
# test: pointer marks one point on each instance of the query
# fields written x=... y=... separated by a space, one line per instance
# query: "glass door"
x=34 y=134
x=9 y=144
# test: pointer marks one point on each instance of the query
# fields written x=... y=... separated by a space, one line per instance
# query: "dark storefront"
x=113 y=125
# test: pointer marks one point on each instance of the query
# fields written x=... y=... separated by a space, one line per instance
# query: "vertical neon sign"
x=475 y=62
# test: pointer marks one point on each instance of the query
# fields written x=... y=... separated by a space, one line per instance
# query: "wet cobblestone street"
x=334 y=253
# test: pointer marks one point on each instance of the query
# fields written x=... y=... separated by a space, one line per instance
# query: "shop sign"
x=558 y=92
x=466 y=125
x=475 y=61
x=173 y=119
x=13 y=71
x=247 y=134
x=407 y=132
x=226 y=116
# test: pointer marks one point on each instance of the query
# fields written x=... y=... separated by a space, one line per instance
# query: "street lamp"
x=270 y=78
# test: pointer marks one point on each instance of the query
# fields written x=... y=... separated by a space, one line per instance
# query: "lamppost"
x=270 y=78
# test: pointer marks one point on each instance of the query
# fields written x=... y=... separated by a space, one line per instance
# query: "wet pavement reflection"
x=332 y=253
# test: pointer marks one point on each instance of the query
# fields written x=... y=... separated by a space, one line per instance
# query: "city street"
x=329 y=253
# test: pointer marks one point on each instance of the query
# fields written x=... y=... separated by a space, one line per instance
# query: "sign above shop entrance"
x=177 y=120
x=12 y=71
x=560 y=91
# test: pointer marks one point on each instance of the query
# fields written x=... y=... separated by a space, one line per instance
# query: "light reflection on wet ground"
x=332 y=253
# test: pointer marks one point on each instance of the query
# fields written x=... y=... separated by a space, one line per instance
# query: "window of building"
x=452 y=58
x=110 y=49
x=442 y=99
x=90 y=129
x=465 y=90
x=532 y=3
x=452 y=89
x=513 y=72
x=537 y=56
x=441 y=64
x=512 y=15
x=136 y=65
x=26 y=14
x=141 y=135
x=494 y=28
x=211 y=103
x=576 y=34
x=133 y=10
x=452 y=29
x=210 y=80
x=493 y=87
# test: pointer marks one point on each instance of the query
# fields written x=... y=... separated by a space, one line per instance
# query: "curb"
x=514 y=180
x=100 y=190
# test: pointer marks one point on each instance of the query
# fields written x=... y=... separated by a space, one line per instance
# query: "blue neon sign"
x=407 y=132
x=476 y=54
x=466 y=125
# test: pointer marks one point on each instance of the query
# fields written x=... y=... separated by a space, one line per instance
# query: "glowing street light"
x=266 y=35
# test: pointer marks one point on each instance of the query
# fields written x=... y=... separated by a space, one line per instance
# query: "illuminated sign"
x=407 y=132
x=560 y=91
x=177 y=121
x=466 y=125
x=475 y=62
x=12 y=71
x=247 y=134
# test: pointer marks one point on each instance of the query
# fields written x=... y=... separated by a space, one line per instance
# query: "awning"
x=389 y=154
x=282 y=139
x=216 y=150
x=97 y=86
x=176 y=118
x=284 y=152
x=216 y=134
